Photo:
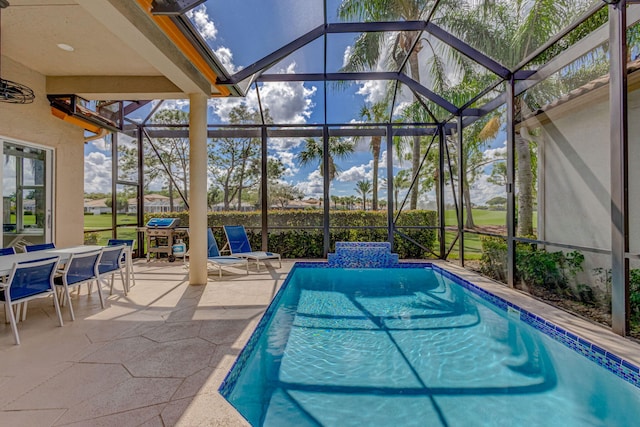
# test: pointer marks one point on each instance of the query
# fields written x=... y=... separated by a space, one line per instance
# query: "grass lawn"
x=472 y=245
x=97 y=222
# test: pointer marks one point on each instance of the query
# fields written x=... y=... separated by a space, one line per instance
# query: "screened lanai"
x=496 y=135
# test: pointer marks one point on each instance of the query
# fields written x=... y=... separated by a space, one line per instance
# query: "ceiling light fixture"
x=12 y=92
x=66 y=47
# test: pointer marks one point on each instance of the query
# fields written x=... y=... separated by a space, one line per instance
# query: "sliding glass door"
x=26 y=194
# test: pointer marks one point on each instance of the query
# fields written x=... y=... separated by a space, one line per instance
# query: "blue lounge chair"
x=216 y=260
x=239 y=246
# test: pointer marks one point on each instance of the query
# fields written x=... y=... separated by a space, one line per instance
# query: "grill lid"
x=163 y=222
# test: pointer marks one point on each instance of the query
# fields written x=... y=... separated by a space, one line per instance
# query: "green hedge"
x=308 y=243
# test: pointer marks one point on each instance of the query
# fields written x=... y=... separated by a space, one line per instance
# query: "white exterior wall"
x=575 y=196
x=575 y=162
x=34 y=123
x=575 y=177
x=634 y=172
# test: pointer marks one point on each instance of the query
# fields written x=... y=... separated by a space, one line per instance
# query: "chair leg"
x=100 y=293
x=17 y=310
x=125 y=287
x=14 y=327
x=24 y=310
x=67 y=297
x=56 y=303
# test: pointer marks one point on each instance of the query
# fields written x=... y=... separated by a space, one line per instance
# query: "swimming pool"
x=419 y=346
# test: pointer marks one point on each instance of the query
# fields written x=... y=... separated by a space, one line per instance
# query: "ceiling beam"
x=136 y=29
x=114 y=87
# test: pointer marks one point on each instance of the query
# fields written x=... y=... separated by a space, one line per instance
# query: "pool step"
x=363 y=255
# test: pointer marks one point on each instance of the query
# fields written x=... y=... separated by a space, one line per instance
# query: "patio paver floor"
x=153 y=358
x=158 y=356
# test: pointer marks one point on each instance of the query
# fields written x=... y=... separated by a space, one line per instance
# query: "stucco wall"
x=34 y=123
x=575 y=197
x=575 y=159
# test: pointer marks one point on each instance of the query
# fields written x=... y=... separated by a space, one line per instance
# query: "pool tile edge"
x=612 y=362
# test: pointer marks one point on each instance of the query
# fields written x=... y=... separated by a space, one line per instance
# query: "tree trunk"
x=436 y=180
x=375 y=149
x=525 y=187
x=170 y=195
x=466 y=195
x=415 y=152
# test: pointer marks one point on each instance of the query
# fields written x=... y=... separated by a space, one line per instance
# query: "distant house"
x=156 y=203
x=299 y=204
x=96 y=206
x=244 y=207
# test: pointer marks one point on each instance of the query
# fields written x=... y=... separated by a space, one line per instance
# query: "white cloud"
x=346 y=55
x=223 y=106
x=288 y=160
x=355 y=173
x=313 y=187
x=101 y=144
x=496 y=153
x=285 y=144
x=174 y=104
x=482 y=190
x=225 y=56
x=288 y=102
x=127 y=141
x=97 y=173
x=204 y=25
x=373 y=90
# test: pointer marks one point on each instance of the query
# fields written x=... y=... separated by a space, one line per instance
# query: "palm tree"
x=515 y=29
x=514 y=36
x=400 y=182
x=369 y=47
x=375 y=113
x=335 y=200
x=313 y=152
x=364 y=188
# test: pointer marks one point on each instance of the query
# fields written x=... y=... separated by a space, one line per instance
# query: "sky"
x=269 y=26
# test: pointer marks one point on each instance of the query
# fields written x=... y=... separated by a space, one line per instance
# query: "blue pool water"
x=411 y=347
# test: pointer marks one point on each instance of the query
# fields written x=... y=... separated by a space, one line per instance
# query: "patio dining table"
x=7 y=261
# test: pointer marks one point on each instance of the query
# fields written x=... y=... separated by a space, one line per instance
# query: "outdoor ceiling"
x=119 y=52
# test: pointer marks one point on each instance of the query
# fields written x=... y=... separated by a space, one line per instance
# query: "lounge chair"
x=239 y=246
x=216 y=260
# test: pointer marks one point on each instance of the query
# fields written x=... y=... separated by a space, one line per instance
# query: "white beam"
x=136 y=29
x=115 y=87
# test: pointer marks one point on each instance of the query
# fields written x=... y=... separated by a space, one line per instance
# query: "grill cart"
x=160 y=234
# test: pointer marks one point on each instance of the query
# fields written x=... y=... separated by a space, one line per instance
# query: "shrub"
x=634 y=290
x=90 y=238
x=303 y=235
x=551 y=271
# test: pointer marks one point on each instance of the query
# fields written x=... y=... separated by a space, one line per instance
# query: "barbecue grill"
x=160 y=234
